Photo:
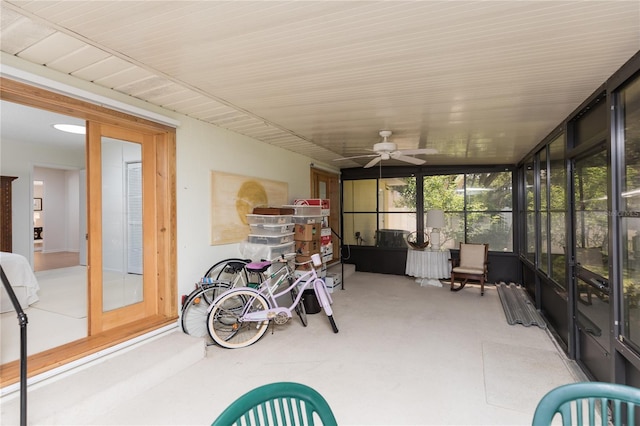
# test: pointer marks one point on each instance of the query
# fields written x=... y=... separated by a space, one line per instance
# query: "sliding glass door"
x=121 y=175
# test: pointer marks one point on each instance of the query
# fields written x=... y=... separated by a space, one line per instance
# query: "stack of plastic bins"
x=270 y=236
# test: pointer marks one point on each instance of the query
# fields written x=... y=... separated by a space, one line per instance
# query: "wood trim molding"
x=163 y=139
x=24 y=94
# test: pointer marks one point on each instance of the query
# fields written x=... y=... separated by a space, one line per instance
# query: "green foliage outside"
x=487 y=207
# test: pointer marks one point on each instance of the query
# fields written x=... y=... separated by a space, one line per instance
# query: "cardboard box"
x=307 y=248
x=326 y=249
x=322 y=271
x=274 y=210
x=333 y=282
x=307 y=232
x=304 y=259
x=325 y=236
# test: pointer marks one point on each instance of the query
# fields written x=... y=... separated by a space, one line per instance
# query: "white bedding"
x=22 y=280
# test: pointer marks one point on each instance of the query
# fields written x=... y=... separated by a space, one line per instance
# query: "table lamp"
x=435 y=221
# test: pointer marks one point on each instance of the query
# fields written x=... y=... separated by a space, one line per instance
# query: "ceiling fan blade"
x=412 y=160
x=427 y=151
x=373 y=162
x=357 y=156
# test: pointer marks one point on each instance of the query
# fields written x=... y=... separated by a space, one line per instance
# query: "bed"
x=22 y=280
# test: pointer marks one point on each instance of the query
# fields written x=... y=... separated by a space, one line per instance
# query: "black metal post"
x=23 y=321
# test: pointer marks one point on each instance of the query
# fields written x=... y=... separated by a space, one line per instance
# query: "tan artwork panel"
x=233 y=197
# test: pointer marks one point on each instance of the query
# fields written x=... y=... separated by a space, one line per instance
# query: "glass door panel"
x=121 y=223
x=121 y=181
x=630 y=214
x=591 y=236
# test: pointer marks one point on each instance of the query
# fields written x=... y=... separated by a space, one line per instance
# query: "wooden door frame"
x=164 y=310
x=333 y=194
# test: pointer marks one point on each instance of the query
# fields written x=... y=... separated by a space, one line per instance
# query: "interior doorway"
x=326 y=185
x=57 y=218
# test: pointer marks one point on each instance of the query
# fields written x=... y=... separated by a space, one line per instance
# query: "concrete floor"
x=405 y=355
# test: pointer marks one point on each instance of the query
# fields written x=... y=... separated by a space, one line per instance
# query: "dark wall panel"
x=502 y=267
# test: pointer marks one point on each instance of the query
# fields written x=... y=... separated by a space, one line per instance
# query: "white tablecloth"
x=22 y=280
x=428 y=265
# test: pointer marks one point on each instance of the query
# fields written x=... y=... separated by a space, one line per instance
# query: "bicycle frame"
x=310 y=278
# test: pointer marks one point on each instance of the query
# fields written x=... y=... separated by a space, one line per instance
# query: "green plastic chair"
x=281 y=403
x=578 y=403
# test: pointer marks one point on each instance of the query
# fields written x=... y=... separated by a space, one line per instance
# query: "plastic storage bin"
x=267 y=229
x=307 y=219
x=258 y=252
x=269 y=219
x=271 y=240
x=306 y=210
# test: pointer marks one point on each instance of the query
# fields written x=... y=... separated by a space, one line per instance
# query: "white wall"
x=201 y=148
x=59 y=209
x=19 y=159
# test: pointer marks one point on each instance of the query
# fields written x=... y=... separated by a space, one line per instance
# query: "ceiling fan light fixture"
x=387 y=150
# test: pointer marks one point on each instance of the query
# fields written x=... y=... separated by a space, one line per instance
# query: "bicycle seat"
x=258 y=266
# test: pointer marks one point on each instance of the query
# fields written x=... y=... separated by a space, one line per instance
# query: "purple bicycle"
x=240 y=317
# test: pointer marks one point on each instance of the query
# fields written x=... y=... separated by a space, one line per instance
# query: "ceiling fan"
x=386 y=150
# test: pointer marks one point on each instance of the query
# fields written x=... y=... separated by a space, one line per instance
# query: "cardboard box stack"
x=333 y=281
x=326 y=246
x=271 y=233
x=311 y=218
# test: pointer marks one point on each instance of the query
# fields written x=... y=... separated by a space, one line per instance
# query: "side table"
x=428 y=266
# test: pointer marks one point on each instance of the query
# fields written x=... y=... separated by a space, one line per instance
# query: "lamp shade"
x=435 y=219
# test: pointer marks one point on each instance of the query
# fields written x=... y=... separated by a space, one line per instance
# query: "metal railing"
x=23 y=321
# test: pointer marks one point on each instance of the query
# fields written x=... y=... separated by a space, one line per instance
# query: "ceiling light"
x=70 y=128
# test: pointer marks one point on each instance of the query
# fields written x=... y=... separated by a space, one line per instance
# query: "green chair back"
x=588 y=403
x=281 y=403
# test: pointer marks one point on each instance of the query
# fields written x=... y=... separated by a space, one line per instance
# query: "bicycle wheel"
x=225 y=324
x=231 y=270
x=300 y=309
x=194 y=310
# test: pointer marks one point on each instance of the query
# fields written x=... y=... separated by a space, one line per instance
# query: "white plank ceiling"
x=482 y=82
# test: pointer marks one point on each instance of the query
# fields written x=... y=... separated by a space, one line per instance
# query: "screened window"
x=630 y=212
x=592 y=227
x=478 y=208
x=529 y=243
x=556 y=212
x=379 y=212
x=543 y=261
x=488 y=208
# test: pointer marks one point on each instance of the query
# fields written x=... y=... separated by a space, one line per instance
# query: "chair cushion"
x=463 y=270
x=472 y=256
